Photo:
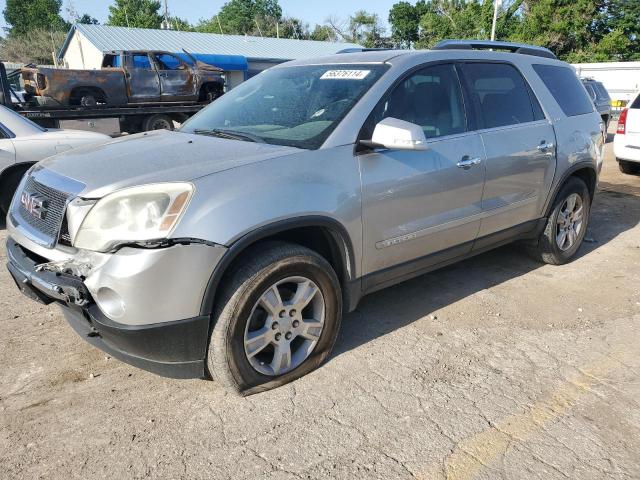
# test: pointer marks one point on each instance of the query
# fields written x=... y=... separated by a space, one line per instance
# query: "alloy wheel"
x=285 y=325
x=570 y=222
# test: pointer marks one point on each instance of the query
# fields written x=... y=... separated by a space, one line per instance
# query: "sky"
x=310 y=11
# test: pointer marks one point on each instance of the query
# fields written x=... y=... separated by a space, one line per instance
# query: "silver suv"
x=231 y=248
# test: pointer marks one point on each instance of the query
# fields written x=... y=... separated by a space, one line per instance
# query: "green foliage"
x=135 y=13
x=26 y=15
x=323 y=33
x=35 y=47
x=87 y=20
x=251 y=17
x=576 y=30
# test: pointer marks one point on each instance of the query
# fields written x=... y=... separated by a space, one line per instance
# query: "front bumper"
x=170 y=348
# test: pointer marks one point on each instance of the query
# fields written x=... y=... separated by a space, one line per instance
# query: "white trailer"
x=621 y=79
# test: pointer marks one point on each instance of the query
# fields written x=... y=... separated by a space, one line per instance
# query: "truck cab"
x=165 y=77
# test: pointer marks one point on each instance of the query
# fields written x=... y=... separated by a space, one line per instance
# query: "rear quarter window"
x=636 y=103
x=565 y=87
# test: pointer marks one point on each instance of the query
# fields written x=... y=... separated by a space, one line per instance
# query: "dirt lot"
x=495 y=368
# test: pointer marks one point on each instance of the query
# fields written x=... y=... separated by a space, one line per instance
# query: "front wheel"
x=277 y=319
x=566 y=225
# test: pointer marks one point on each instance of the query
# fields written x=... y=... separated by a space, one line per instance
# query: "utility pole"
x=496 y=5
x=166 y=21
x=219 y=25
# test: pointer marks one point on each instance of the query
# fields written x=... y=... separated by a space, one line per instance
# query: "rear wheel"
x=157 y=122
x=87 y=97
x=629 y=168
x=566 y=226
x=277 y=319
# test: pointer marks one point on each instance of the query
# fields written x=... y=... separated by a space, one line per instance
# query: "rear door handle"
x=467 y=162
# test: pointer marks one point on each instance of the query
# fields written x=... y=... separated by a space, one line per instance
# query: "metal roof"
x=106 y=38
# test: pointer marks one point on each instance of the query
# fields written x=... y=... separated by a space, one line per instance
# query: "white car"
x=23 y=143
x=626 y=143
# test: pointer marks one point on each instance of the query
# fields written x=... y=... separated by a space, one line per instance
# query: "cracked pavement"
x=494 y=368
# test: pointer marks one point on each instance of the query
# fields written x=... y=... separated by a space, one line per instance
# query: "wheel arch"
x=585 y=172
x=7 y=172
x=324 y=235
x=93 y=89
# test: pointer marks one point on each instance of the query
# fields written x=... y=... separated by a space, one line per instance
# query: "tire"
x=88 y=101
x=240 y=312
x=630 y=168
x=209 y=93
x=86 y=97
x=8 y=187
x=157 y=122
x=550 y=248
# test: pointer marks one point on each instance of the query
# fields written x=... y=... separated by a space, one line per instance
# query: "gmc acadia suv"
x=231 y=248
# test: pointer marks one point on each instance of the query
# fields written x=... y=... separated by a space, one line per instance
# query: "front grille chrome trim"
x=58 y=191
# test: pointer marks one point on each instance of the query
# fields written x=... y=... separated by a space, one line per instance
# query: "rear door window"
x=500 y=95
x=564 y=85
x=141 y=60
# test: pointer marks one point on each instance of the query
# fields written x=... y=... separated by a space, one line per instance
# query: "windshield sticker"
x=345 y=74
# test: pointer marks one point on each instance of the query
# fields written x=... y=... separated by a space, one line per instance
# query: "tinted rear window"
x=565 y=87
x=602 y=92
x=500 y=93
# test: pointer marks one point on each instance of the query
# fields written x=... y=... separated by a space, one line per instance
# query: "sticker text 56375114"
x=345 y=74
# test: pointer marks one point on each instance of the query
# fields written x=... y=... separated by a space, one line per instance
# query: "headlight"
x=136 y=214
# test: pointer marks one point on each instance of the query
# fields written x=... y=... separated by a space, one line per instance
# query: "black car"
x=600 y=98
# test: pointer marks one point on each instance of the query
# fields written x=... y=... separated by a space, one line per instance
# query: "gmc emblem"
x=35 y=205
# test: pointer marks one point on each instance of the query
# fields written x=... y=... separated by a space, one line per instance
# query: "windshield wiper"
x=230 y=134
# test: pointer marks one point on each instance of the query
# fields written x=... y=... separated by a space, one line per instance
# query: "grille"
x=56 y=204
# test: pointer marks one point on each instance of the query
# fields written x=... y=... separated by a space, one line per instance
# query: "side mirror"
x=396 y=134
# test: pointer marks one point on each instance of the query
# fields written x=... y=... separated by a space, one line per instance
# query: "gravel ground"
x=494 y=368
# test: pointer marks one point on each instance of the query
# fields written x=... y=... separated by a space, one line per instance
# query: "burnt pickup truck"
x=126 y=78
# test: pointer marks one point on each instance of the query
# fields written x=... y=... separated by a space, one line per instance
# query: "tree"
x=25 y=16
x=363 y=28
x=37 y=47
x=135 y=13
x=323 y=33
x=248 y=17
x=87 y=20
x=404 y=19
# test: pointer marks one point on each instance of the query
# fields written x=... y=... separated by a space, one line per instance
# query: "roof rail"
x=362 y=49
x=521 y=48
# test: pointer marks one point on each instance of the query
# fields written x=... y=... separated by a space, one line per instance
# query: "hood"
x=156 y=157
x=76 y=135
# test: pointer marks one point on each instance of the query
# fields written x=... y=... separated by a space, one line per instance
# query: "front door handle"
x=544 y=146
x=467 y=162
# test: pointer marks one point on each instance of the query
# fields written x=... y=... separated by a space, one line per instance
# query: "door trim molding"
x=390 y=242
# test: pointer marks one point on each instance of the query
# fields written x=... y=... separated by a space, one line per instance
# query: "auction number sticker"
x=345 y=74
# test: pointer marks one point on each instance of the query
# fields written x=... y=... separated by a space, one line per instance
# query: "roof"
x=106 y=39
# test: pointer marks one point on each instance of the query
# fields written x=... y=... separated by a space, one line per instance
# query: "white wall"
x=82 y=54
x=621 y=79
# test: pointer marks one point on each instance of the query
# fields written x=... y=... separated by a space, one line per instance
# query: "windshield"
x=292 y=106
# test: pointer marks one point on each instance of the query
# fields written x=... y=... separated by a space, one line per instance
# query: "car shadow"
x=613 y=212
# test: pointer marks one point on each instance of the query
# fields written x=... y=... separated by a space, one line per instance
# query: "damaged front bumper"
x=142 y=306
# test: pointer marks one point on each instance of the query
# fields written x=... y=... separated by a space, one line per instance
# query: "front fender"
x=231 y=204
